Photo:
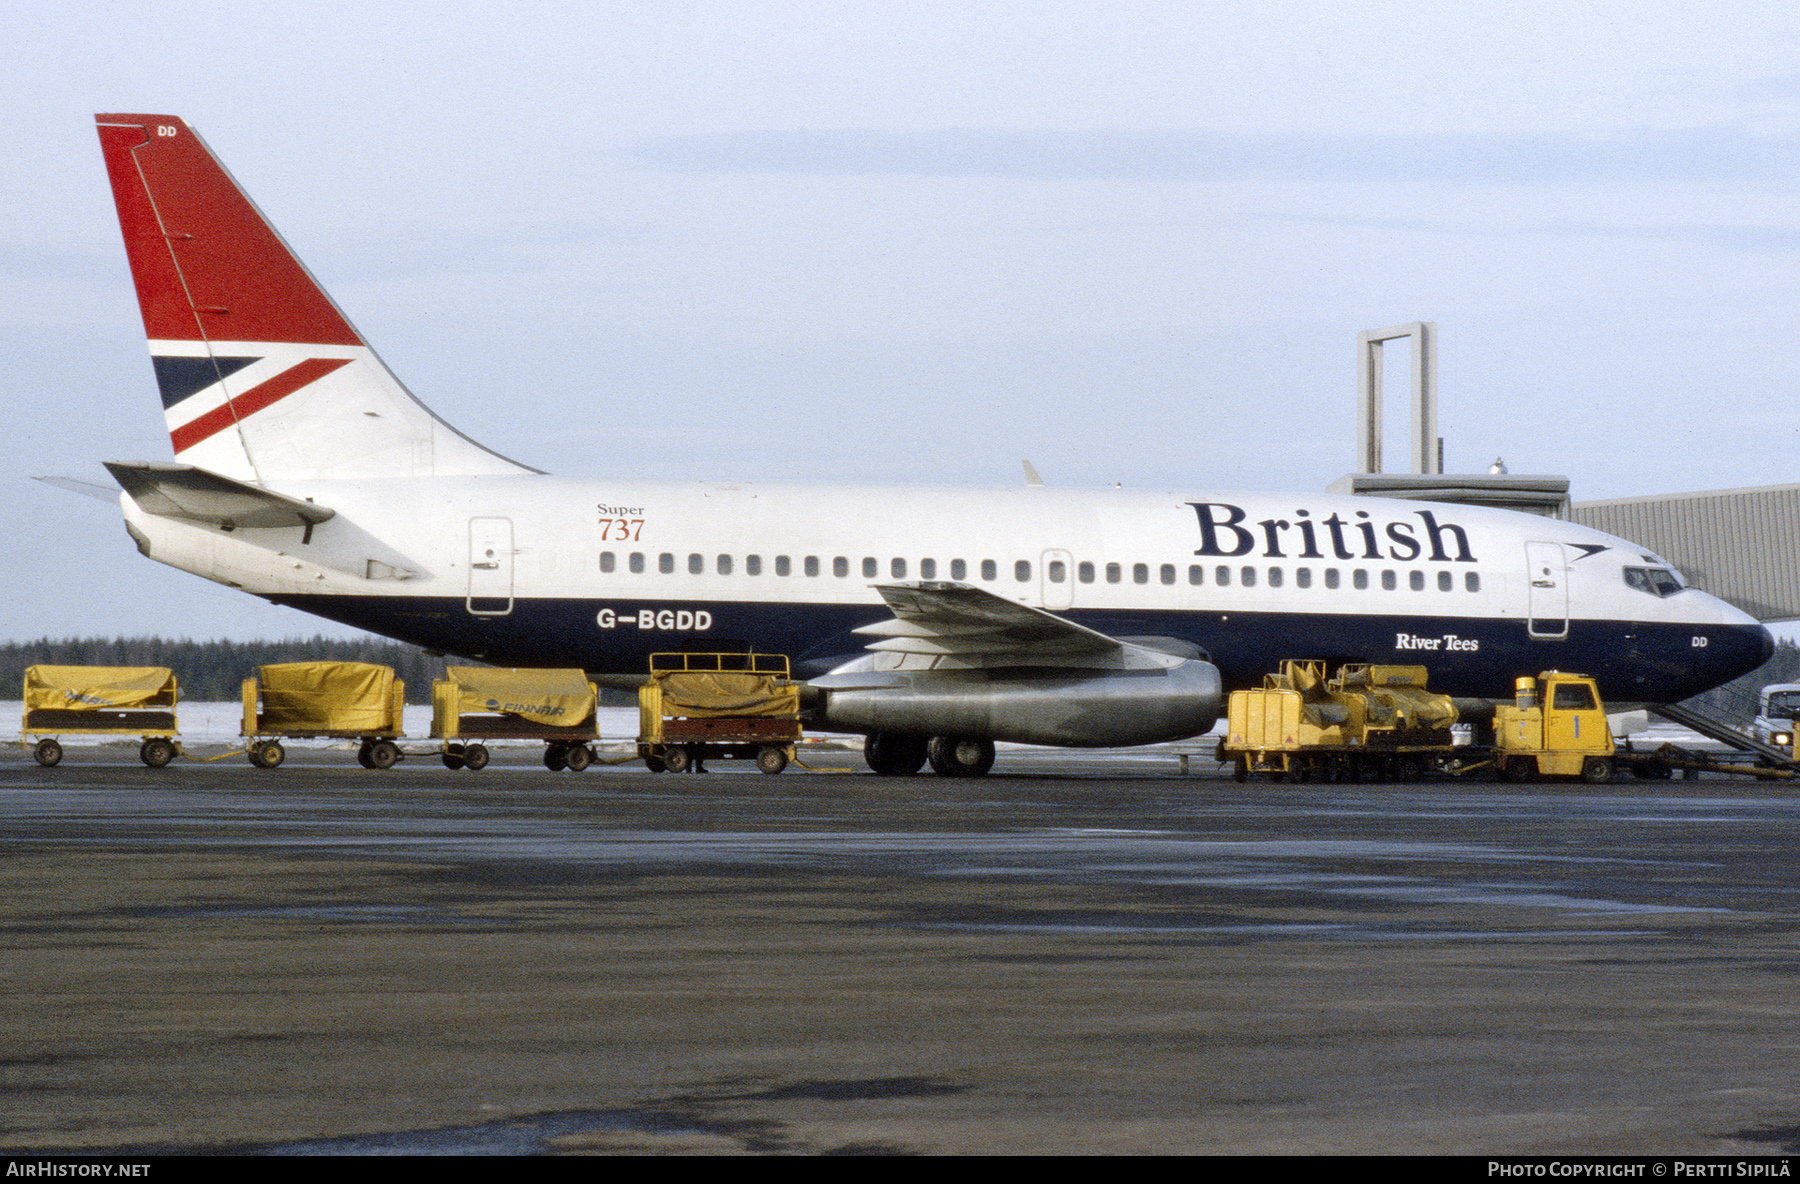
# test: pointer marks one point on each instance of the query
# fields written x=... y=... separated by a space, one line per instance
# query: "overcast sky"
x=917 y=242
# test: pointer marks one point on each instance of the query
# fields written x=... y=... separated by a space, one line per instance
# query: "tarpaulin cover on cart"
x=561 y=698
x=98 y=688
x=707 y=694
x=327 y=697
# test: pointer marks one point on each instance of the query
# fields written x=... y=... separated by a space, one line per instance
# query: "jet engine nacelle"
x=1068 y=708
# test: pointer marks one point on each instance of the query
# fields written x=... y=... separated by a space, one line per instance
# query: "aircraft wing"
x=196 y=495
x=947 y=626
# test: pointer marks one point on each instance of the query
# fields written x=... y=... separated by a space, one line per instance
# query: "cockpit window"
x=1655 y=581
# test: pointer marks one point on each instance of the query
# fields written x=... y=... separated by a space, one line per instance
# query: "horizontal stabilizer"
x=93 y=489
x=195 y=495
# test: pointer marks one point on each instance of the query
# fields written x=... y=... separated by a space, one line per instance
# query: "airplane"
x=934 y=621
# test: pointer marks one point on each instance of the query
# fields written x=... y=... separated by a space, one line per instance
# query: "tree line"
x=214 y=671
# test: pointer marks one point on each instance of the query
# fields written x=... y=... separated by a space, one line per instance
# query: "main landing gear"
x=901 y=754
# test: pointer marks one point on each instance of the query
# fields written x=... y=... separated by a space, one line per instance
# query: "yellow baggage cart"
x=697 y=706
x=334 y=700
x=101 y=701
x=476 y=703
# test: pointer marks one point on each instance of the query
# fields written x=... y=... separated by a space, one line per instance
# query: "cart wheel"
x=771 y=759
x=268 y=755
x=677 y=760
x=579 y=757
x=365 y=755
x=452 y=757
x=48 y=753
x=476 y=756
x=556 y=757
x=384 y=754
x=655 y=763
x=1240 y=771
x=156 y=752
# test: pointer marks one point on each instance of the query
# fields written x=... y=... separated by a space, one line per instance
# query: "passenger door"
x=1547 y=592
x=490 y=566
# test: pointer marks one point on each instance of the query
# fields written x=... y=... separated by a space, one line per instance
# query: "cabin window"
x=1359 y=579
x=810 y=565
x=898 y=567
x=1140 y=573
x=1085 y=572
x=1445 y=581
x=959 y=569
x=724 y=565
x=1222 y=576
x=928 y=569
x=1416 y=581
x=696 y=564
x=1196 y=574
x=1572 y=697
x=840 y=567
x=783 y=565
x=871 y=567
x=753 y=565
x=1022 y=571
x=1303 y=577
x=1167 y=573
x=1472 y=581
x=637 y=563
x=1112 y=573
x=1058 y=571
x=1248 y=577
x=1389 y=581
x=665 y=563
x=607 y=561
x=990 y=570
x=1274 y=577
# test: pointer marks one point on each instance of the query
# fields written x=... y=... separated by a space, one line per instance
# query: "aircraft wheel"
x=677 y=759
x=960 y=756
x=475 y=756
x=771 y=759
x=579 y=757
x=384 y=754
x=1596 y=770
x=49 y=753
x=895 y=754
x=556 y=757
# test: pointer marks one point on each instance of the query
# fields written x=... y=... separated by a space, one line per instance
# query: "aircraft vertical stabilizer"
x=262 y=377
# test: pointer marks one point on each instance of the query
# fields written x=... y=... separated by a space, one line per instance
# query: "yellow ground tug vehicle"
x=475 y=703
x=101 y=701
x=1555 y=728
x=340 y=700
x=697 y=706
x=1380 y=722
x=1367 y=722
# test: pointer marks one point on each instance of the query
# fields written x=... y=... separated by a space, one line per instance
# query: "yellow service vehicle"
x=1556 y=728
x=1368 y=722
